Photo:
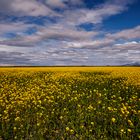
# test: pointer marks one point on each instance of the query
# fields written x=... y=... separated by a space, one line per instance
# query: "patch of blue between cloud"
x=59 y=10
x=30 y=31
x=86 y=26
x=9 y=18
x=9 y=35
x=40 y=20
x=137 y=40
x=92 y=3
x=128 y=19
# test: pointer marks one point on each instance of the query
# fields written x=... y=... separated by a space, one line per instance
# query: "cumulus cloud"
x=97 y=44
x=133 y=45
x=13 y=58
x=132 y=33
x=14 y=27
x=34 y=7
x=39 y=8
x=68 y=48
x=62 y=42
x=63 y=32
x=56 y=32
x=24 y=8
x=96 y=15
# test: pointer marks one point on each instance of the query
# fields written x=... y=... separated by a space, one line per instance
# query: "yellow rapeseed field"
x=70 y=103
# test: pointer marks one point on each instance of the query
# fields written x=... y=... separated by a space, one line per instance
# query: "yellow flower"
x=67 y=128
x=17 y=119
x=61 y=117
x=90 y=107
x=122 y=130
x=130 y=123
x=113 y=120
x=38 y=124
x=71 y=131
x=82 y=126
x=129 y=130
x=110 y=108
x=15 y=128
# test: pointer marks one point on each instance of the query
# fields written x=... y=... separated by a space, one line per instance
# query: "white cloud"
x=132 y=33
x=128 y=43
x=25 y=8
x=97 y=44
x=95 y=15
x=133 y=45
x=60 y=31
x=75 y=16
x=63 y=42
x=14 y=27
x=56 y=32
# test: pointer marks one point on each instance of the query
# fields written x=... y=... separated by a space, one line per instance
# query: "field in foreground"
x=82 y=103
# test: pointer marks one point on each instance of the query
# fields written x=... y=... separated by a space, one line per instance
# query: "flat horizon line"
x=77 y=66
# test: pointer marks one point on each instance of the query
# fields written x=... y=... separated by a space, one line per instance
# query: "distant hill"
x=133 y=64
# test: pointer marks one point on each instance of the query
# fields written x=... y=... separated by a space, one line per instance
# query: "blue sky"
x=69 y=32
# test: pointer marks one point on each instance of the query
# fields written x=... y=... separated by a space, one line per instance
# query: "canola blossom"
x=72 y=103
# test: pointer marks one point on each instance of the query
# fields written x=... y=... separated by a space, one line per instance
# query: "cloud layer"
x=39 y=32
